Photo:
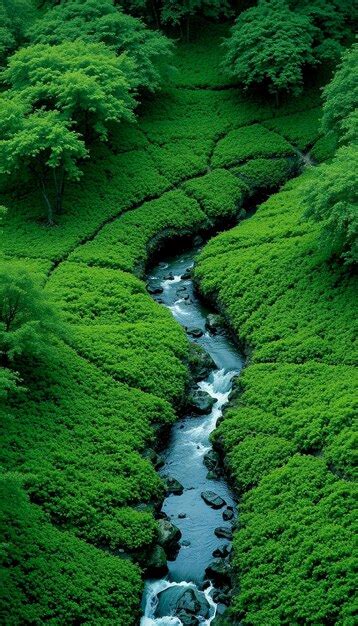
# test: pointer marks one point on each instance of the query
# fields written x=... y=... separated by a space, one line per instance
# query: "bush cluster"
x=78 y=431
x=289 y=442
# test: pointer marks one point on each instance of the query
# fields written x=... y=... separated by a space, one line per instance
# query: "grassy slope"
x=77 y=436
x=289 y=441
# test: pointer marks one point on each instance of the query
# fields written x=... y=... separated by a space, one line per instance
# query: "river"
x=183 y=457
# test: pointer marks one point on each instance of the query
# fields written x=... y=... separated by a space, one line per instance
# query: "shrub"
x=251 y=142
x=47 y=572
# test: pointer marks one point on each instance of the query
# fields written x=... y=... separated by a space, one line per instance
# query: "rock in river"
x=188 y=604
x=222 y=551
x=201 y=402
x=168 y=534
x=228 y=514
x=195 y=332
x=212 y=499
x=214 y=323
x=219 y=572
x=154 y=288
x=224 y=532
x=200 y=362
x=157 y=562
x=211 y=459
x=173 y=486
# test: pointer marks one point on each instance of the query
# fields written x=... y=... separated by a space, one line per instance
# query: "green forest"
x=126 y=125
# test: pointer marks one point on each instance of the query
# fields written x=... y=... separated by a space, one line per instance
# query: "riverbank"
x=289 y=441
x=78 y=436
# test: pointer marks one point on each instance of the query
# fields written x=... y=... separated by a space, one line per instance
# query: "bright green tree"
x=270 y=46
x=93 y=21
x=15 y=16
x=43 y=143
x=331 y=198
x=341 y=98
x=27 y=316
x=86 y=82
x=60 y=97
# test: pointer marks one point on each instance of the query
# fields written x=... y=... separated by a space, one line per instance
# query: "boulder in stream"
x=222 y=551
x=228 y=514
x=195 y=332
x=169 y=535
x=201 y=402
x=173 y=486
x=157 y=563
x=219 y=571
x=200 y=362
x=154 y=288
x=211 y=459
x=187 y=274
x=212 y=499
x=214 y=323
x=186 y=603
x=223 y=532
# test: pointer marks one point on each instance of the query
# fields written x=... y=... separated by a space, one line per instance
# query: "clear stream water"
x=188 y=443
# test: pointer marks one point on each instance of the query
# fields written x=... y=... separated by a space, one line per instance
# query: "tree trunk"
x=155 y=14
x=47 y=202
x=59 y=185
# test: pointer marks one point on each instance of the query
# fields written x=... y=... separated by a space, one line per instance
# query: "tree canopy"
x=93 y=21
x=331 y=197
x=15 y=17
x=272 y=44
x=341 y=98
x=27 y=316
x=59 y=97
x=269 y=46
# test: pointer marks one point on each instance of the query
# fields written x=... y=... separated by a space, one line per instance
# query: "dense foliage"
x=66 y=579
x=341 y=98
x=27 y=317
x=331 y=197
x=81 y=74
x=273 y=43
x=15 y=18
x=289 y=442
x=77 y=433
x=93 y=22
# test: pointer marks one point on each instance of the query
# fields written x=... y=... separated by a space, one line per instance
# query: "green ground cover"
x=77 y=435
x=290 y=440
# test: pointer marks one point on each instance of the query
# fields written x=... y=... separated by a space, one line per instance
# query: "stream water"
x=184 y=454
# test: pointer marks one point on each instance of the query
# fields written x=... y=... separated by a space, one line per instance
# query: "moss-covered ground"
x=78 y=486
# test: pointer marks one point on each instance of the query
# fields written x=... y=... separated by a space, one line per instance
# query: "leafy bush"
x=331 y=198
x=264 y=174
x=269 y=46
x=78 y=437
x=294 y=552
x=47 y=572
x=27 y=315
x=219 y=193
x=95 y=22
x=251 y=142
